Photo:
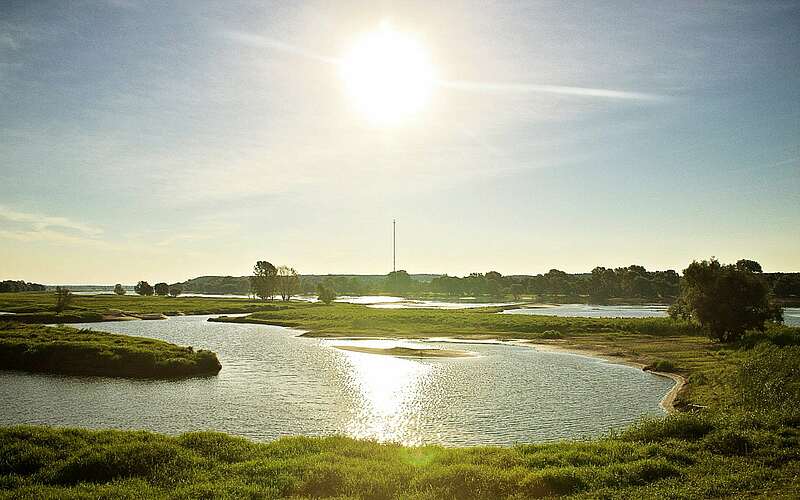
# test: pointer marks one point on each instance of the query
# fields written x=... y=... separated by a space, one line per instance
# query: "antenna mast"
x=394 y=245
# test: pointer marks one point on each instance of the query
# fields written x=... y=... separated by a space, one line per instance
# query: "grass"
x=37 y=307
x=63 y=350
x=350 y=319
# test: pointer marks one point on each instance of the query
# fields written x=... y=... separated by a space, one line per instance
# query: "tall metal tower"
x=394 y=245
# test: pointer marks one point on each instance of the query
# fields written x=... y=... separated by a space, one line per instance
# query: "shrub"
x=661 y=365
x=679 y=426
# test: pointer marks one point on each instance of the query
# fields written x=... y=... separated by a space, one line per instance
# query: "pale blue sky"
x=161 y=141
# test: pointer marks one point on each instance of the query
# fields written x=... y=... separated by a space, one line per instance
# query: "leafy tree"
x=119 y=290
x=63 y=299
x=726 y=300
x=143 y=288
x=398 y=282
x=175 y=289
x=288 y=282
x=787 y=285
x=161 y=289
x=516 y=290
x=475 y=284
x=326 y=293
x=748 y=265
x=494 y=288
x=263 y=282
x=602 y=284
x=494 y=275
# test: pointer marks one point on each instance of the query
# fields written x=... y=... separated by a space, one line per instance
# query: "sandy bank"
x=407 y=352
x=130 y=316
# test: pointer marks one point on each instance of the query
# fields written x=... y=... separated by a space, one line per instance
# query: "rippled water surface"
x=274 y=384
x=791 y=316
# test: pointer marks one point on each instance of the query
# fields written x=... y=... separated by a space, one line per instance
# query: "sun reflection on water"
x=390 y=394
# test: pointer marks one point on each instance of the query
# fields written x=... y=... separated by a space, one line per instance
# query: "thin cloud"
x=526 y=88
x=264 y=42
x=38 y=226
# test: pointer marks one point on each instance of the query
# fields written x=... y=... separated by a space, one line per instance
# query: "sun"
x=388 y=74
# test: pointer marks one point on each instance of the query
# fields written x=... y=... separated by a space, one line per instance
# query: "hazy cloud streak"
x=260 y=41
x=42 y=223
x=549 y=89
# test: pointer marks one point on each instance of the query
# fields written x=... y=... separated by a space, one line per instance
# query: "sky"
x=167 y=140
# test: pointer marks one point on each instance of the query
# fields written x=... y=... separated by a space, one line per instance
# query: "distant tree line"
x=146 y=289
x=599 y=286
x=20 y=286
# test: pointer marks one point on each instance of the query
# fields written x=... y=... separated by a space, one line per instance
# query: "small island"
x=70 y=351
x=407 y=352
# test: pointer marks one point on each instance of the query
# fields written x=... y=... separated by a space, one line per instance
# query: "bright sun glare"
x=388 y=75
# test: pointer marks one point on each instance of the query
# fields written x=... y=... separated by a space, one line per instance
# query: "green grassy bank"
x=69 y=351
x=37 y=307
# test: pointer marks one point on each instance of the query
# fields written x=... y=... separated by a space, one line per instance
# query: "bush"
x=769 y=378
x=678 y=426
x=661 y=365
x=551 y=334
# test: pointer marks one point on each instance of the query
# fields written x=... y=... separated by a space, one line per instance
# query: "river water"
x=275 y=383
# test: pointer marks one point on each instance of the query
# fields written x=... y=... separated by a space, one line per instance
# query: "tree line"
x=146 y=289
x=20 y=286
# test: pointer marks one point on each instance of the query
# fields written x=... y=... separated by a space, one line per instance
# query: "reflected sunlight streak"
x=391 y=391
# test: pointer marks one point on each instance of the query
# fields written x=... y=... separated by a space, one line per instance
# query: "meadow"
x=37 y=307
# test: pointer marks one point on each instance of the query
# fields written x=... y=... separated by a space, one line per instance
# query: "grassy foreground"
x=69 y=351
x=684 y=456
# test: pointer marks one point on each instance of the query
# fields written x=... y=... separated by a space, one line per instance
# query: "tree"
x=516 y=290
x=326 y=293
x=175 y=289
x=726 y=300
x=119 y=290
x=143 y=288
x=602 y=285
x=787 y=285
x=264 y=280
x=398 y=282
x=748 y=265
x=161 y=289
x=288 y=282
x=494 y=288
x=63 y=299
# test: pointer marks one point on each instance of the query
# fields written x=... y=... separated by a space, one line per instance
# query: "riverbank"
x=406 y=352
x=37 y=307
x=69 y=351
